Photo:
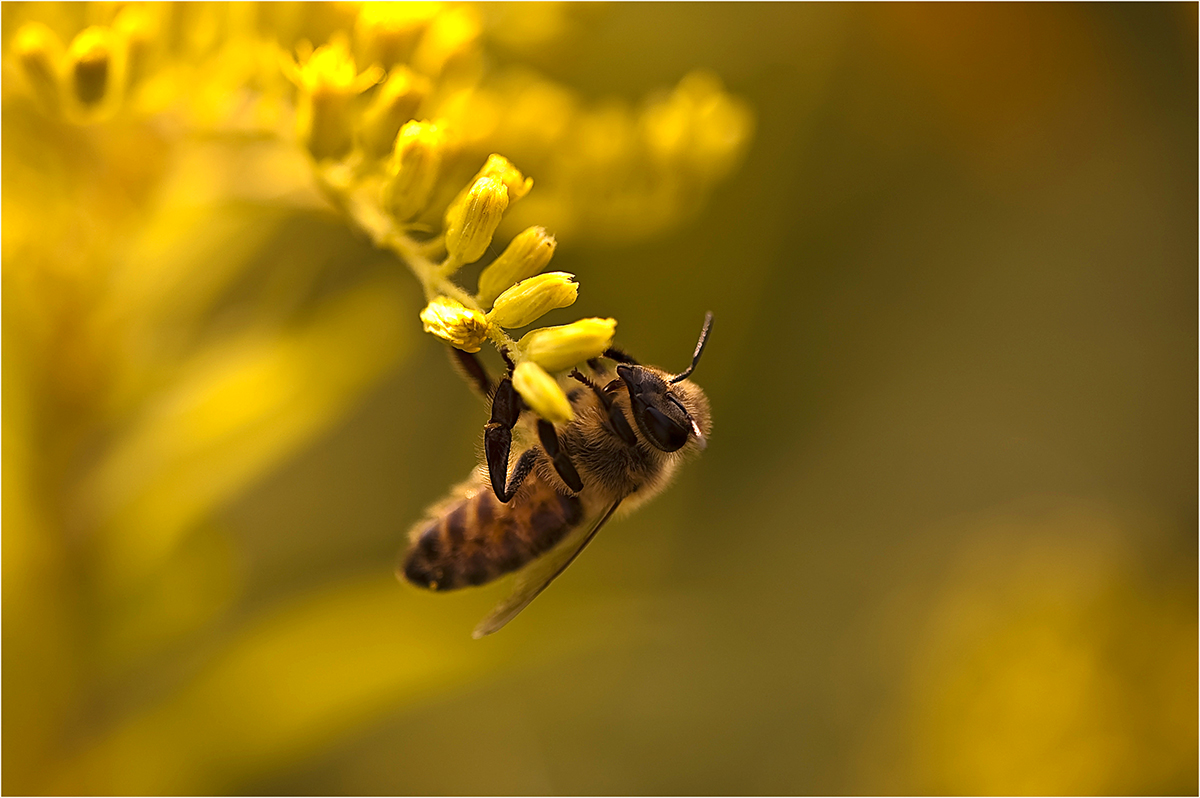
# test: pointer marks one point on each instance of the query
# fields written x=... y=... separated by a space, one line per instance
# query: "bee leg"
x=617 y=424
x=524 y=465
x=558 y=456
x=469 y=367
x=497 y=442
x=612 y=353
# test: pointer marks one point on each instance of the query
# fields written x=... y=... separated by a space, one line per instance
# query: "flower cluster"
x=395 y=110
x=183 y=312
x=399 y=193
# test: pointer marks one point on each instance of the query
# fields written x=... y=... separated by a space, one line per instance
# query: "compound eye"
x=664 y=433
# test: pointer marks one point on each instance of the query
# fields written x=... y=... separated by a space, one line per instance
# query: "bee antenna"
x=708 y=320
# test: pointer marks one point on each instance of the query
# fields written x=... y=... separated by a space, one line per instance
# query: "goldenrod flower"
x=386 y=31
x=93 y=68
x=451 y=35
x=456 y=324
x=471 y=224
x=329 y=82
x=559 y=348
x=525 y=256
x=542 y=393
x=395 y=104
x=138 y=27
x=500 y=168
x=413 y=169
x=40 y=54
x=529 y=300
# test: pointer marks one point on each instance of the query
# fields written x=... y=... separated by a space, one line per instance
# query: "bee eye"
x=663 y=432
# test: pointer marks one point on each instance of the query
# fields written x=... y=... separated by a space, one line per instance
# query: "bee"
x=566 y=483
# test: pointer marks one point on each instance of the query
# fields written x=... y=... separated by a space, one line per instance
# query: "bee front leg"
x=497 y=442
x=558 y=456
x=469 y=367
x=617 y=424
x=619 y=356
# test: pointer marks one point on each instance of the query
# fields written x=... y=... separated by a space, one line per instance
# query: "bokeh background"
x=944 y=539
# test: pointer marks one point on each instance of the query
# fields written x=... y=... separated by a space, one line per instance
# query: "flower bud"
x=91 y=64
x=395 y=104
x=456 y=324
x=413 y=169
x=559 y=348
x=385 y=32
x=452 y=37
x=498 y=168
x=529 y=300
x=542 y=393
x=329 y=84
x=137 y=25
x=471 y=225
x=40 y=54
x=525 y=256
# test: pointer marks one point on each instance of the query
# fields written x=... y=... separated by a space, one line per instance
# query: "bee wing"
x=539 y=574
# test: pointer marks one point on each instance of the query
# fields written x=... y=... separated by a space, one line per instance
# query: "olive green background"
x=944 y=538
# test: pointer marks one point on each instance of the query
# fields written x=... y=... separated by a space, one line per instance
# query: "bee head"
x=660 y=405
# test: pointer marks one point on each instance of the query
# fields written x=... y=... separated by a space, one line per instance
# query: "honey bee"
x=566 y=485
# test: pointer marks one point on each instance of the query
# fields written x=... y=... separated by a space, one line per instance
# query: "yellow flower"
x=529 y=300
x=329 y=83
x=386 y=31
x=471 y=224
x=456 y=324
x=559 y=348
x=94 y=68
x=451 y=36
x=40 y=54
x=525 y=256
x=500 y=168
x=413 y=169
x=542 y=393
x=395 y=104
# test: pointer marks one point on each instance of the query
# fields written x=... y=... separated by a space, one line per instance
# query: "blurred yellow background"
x=944 y=539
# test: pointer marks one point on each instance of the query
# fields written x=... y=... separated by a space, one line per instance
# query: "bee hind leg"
x=497 y=442
x=558 y=456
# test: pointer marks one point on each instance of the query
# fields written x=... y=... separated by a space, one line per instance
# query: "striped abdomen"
x=477 y=538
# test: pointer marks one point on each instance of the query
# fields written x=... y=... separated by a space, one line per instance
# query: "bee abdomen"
x=479 y=539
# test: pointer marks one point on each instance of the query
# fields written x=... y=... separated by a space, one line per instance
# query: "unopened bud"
x=395 y=104
x=456 y=324
x=40 y=54
x=542 y=393
x=471 y=225
x=525 y=256
x=413 y=169
x=559 y=348
x=529 y=300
